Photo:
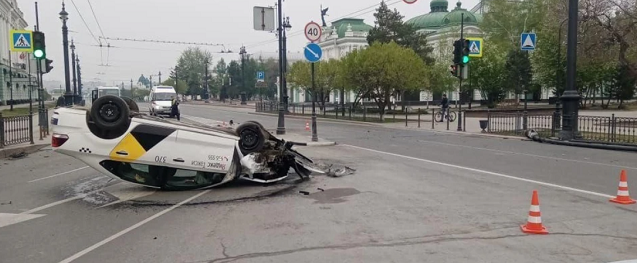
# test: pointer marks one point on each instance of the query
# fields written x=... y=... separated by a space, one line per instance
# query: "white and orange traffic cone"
x=623 y=197
x=534 y=221
x=307 y=126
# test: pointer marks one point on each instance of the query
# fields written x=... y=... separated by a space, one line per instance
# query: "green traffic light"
x=38 y=53
x=465 y=59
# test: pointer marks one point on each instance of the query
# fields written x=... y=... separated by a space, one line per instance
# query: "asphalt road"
x=416 y=196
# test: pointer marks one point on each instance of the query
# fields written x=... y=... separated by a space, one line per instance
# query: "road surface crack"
x=394 y=244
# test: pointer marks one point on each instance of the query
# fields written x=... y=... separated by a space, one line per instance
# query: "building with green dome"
x=441 y=26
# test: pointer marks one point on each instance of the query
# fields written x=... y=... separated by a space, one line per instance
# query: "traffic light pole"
x=461 y=70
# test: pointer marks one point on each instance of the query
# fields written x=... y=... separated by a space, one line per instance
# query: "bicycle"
x=451 y=115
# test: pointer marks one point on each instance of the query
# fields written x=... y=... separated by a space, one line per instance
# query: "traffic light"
x=39 y=49
x=47 y=67
x=465 y=51
x=457 y=52
x=454 y=70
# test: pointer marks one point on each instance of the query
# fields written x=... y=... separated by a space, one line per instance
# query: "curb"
x=314 y=144
x=6 y=153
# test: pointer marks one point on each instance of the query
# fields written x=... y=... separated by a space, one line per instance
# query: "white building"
x=441 y=25
x=11 y=17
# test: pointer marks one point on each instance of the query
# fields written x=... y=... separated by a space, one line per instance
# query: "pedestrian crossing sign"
x=21 y=41
x=475 y=47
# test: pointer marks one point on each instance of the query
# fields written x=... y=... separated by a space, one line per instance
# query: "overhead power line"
x=165 y=41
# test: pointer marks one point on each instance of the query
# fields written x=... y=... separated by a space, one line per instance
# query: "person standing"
x=174 y=108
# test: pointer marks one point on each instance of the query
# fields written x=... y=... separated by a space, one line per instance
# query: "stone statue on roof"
x=323 y=14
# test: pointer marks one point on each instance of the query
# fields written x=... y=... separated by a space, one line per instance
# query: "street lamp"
x=243 y=53
x=206 y=92
x=288 y=27
x=68 y=96
x=280 y=129
x=74 y=72
x=570 y=98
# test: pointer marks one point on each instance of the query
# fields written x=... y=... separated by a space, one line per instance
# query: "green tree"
x=181 y=88
x=192 y=67
x=519 y=71
x=326 y=78
x=487 y=75
x=385 y=69
x=389 y=26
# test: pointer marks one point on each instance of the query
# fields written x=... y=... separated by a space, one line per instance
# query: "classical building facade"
x=441 y=26
x=14 y=80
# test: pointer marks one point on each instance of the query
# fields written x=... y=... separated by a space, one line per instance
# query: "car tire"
x=251 y=138
x=100 y=133
x=265 y=132
x=110 y=113
x=132 y=105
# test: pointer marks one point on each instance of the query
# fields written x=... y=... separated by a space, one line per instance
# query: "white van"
x=160 y=99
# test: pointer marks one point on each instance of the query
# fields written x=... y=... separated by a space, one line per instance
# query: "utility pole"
x=280 y=130
x=159 y=78
x=132 y=94
x=207 y=95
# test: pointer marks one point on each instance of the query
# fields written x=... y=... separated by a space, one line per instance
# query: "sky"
x=222 y=22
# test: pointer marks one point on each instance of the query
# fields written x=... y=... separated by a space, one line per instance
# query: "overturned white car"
x=114 y=138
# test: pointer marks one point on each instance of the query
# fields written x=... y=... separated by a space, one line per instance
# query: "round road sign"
x=313 y=31
x=410 y=1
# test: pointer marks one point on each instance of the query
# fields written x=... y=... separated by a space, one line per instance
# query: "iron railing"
x=619 y=130
x=16 y=130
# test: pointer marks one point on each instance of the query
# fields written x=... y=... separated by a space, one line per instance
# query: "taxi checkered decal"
x=139 y=141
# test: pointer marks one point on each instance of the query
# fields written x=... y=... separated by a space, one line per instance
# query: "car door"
x=204 y=151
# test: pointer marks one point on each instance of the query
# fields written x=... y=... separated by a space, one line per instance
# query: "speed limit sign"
x=313 y=31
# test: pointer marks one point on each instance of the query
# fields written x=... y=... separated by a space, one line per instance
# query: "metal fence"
x=16 y=130
x=367 y=113
x=618 y=130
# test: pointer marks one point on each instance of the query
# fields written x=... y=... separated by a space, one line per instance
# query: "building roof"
x=356 y=24
x=439 y=16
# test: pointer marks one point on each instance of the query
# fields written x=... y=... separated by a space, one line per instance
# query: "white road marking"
x=10 y=219
x=125 y=192
x=131 y=228
x=61 y=202
x=531 y=155
x=486 y=172
x=55 y=175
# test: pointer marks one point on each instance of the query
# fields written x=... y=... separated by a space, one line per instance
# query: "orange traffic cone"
x=307 y=125
x=534 y=221
x=622 y=192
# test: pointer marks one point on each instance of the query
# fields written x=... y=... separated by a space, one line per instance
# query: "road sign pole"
x=462 y=66
x=314 y=129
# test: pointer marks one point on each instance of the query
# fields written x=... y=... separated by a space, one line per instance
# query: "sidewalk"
x=293 y=135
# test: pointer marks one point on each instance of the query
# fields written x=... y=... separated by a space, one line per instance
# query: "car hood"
x=163 y=103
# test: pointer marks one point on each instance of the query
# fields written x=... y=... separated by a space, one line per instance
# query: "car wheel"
x=110 y=113
x=132 y=105
x=251 y=138
x=265 y=132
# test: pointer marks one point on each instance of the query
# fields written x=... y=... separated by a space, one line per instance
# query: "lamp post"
x=570 y=98
x=243 y=75
x=206 y=94
x=79 y=78
x=68 y=95
x=74 y=72
x=288 y=27
x=280 y=129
